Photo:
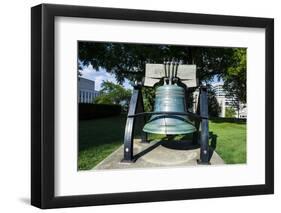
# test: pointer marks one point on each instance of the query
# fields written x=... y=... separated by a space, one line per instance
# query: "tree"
x=235 y=77
x=111 y=93
x=128 y=60
x=148 y=98
x=229 y=112
x=213 y=105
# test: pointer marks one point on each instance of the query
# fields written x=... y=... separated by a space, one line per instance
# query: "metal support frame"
x=136 y=111
x=204 y=137
x=136 y=106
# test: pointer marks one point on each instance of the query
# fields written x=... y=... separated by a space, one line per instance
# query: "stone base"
x=158 y=154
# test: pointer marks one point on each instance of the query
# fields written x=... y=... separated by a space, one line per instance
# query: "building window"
x=85 y=96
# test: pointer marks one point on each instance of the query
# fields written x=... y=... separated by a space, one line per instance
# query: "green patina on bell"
x=169 y=98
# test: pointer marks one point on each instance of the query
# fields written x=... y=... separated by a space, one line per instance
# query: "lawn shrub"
x=91 y=111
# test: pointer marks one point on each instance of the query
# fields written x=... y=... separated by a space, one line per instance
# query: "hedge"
x=91 y=111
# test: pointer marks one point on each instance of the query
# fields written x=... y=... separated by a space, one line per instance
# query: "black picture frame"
x=42 y=105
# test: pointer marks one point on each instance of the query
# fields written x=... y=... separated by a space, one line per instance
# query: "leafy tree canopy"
x=111 y=93
x=213 y=105
x=235 y=78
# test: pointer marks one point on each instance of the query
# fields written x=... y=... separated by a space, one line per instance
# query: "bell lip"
x=169 y=132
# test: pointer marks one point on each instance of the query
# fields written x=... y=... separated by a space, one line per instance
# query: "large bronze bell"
x=170 y=97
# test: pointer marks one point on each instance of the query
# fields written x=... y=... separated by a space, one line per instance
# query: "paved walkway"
x=158 y=154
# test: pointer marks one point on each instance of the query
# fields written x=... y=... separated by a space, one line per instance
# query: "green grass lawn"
x=230 y=139
x=100 y=137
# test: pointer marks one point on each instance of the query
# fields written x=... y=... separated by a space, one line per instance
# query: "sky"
x=216 y=80
x=99 y=76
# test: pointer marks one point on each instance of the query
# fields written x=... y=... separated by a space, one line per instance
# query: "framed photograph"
x=139 y=106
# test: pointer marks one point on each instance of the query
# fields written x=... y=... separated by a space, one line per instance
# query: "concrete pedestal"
x=158 y=154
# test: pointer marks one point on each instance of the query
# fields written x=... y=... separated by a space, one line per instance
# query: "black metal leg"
x=136 y=105
x=128 y=141
x=204 y=138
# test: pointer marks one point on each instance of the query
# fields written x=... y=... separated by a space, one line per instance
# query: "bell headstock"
x=169 y=70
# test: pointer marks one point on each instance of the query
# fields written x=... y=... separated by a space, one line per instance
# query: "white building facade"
x=225 y=101
x=86 y=90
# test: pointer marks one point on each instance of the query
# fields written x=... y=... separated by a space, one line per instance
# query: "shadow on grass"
x=98 y=138
x=228 y=120
x=213 y=144
x=100 y=132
